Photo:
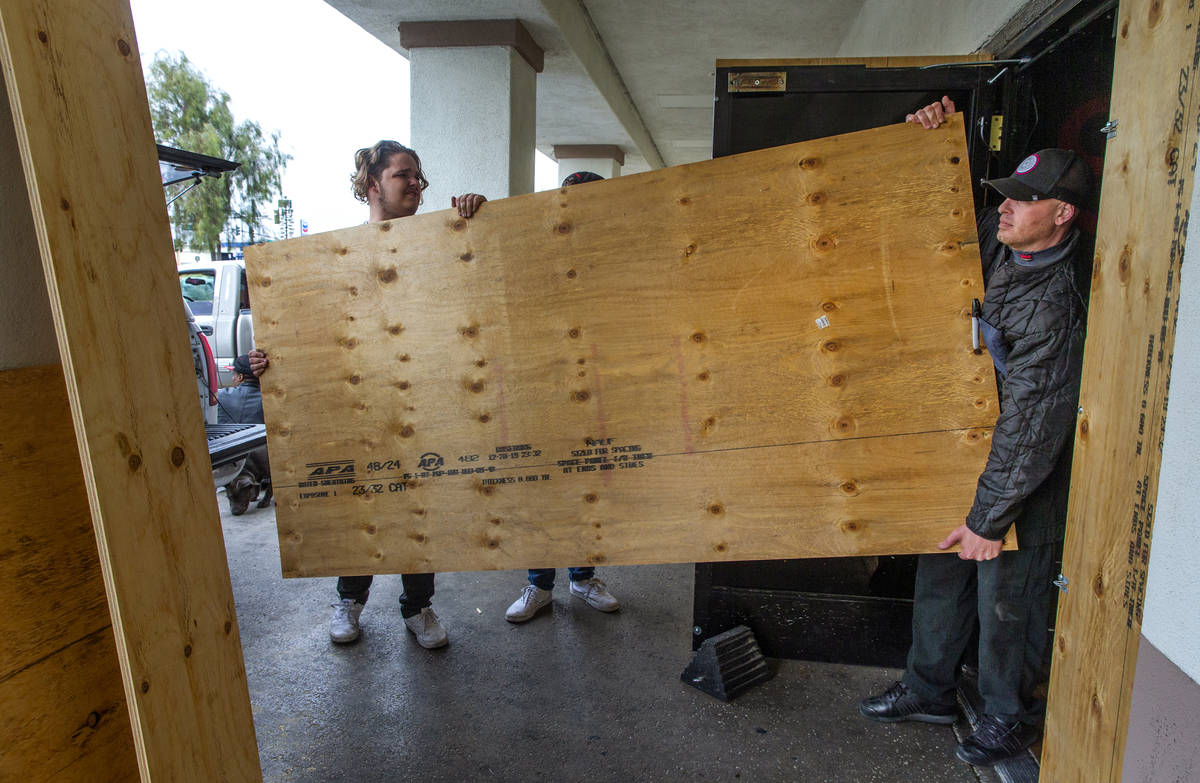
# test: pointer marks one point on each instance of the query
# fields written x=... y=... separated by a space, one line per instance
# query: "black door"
x=1054 y=93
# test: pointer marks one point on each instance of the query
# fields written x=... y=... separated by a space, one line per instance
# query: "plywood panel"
x=64 y=714
x=65 y=717
x=766 y=355
x=79 y=106
x=1123 y=402
x=46 y=543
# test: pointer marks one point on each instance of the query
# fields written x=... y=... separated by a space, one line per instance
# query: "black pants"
x=1010 y=598
x=418 y=591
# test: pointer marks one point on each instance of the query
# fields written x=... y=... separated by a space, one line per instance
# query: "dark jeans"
x=1010 y=598
x=418 y=591
x=544 y=577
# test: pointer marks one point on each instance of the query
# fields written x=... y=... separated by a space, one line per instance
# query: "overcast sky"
x=299 y=67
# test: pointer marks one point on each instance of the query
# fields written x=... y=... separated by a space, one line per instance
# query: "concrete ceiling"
x=639 y=74
x=666 y=53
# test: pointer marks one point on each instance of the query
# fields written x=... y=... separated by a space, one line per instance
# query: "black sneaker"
x=996 y=740
x=899 y=703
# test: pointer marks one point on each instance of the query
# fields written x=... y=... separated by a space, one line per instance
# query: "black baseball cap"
x=579 y=177
x=1049 y=173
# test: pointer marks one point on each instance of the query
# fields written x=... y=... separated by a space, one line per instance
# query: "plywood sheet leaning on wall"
x=82 y=123
x=1147 y=191
x=64 y=714
x=761 y=356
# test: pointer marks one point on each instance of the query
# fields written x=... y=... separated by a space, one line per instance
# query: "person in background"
x=584 y=584
x=242 y=404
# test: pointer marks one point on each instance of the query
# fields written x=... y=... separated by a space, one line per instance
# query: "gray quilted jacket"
x=241 y=404
x=1036 y=317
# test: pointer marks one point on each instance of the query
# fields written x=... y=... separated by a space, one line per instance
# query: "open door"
x=858 y=610
x=1060 y=96
x=846 y=609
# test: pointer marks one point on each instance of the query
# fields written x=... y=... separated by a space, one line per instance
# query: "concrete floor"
x=573 y=694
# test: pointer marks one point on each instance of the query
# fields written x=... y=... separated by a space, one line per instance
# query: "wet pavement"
x=571 y=695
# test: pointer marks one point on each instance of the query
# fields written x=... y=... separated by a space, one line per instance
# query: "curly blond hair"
x=369 y=163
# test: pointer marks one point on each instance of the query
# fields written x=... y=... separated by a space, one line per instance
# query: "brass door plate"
x=758 y=81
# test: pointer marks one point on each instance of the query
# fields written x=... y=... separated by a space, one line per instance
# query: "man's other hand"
x=467 y=204
x=934 y=114
x=258 y=362
x=973 y=547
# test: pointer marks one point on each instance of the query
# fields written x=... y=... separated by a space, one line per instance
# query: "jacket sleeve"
x=987 y=220
x=1037 y=413
x=224 y=403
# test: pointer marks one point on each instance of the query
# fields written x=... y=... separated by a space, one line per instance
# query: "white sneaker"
x=527 y=604
x=596 y=594
x=343 y=626
x=427 y=629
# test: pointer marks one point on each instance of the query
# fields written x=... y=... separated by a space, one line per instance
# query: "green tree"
x=190 y=113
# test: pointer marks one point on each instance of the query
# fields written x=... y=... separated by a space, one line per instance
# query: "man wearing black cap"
x=242 y=404
x=1032 y=319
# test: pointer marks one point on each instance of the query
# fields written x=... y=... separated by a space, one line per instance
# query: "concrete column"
x=474 y=101
x=603 y=159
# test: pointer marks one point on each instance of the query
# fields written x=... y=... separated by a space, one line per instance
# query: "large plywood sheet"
x=1148 y=186
x=767 y=355
x=74 y=80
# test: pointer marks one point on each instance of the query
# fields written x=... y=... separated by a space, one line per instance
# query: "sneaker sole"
x=336 y=640
x=434 y=646
x=428 y=646
x=516 y=619
x=919 y=717
x=985 y=763
x=963 y=754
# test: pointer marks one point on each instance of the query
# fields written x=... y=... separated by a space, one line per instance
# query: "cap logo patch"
x=1028 y=164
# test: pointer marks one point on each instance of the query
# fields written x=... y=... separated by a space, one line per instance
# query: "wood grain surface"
x=64 y=715
x=74 y=78
x=1148 y=179
x=761 y=356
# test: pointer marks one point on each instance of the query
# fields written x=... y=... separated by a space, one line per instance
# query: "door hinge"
x=1061 y=583
x=997 y=131
x=1110 y=129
